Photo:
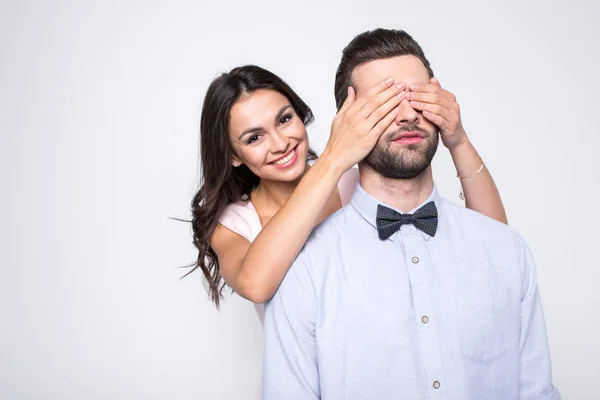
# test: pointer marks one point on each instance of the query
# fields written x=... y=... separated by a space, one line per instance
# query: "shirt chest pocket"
x=489 y=320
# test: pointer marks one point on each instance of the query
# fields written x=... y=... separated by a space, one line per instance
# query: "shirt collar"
x=366 y=206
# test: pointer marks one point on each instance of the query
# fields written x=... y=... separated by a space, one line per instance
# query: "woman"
x=260 y=198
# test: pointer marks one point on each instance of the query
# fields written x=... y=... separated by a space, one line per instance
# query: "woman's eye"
x=252 y=139
x=285 y=119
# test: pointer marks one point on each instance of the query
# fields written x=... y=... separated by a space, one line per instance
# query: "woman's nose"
x=280 y=143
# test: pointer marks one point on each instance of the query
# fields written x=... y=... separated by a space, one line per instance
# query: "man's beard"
x=406 y=163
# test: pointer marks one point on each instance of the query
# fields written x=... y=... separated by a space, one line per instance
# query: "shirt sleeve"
x=290 y=368
x=536 y=370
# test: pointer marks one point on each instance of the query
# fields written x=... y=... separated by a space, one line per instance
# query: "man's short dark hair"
x=374 y=45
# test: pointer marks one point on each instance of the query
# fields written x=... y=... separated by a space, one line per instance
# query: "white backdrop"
x=99 y=112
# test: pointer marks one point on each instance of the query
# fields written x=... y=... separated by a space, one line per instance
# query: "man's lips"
x=409 y=137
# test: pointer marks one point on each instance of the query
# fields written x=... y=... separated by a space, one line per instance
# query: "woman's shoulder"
x=347 y=184
x=241 y=218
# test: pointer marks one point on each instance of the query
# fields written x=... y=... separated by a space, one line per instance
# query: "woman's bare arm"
x=255 y=270
x=481 y=193
x=440 y=107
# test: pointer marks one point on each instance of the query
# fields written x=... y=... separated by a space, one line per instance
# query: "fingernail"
x=410 y=95
x=401 y=86
x=389 y=80
x=401 y=95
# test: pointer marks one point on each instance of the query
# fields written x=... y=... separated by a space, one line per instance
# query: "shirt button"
x=436 y=385
x=415 y=260
x=425 y=320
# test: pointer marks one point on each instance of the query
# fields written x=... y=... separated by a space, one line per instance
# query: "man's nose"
x=406 y=114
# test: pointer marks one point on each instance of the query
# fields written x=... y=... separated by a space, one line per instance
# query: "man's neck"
x=402 y=194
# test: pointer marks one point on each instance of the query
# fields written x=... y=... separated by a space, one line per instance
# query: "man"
x=403 y=294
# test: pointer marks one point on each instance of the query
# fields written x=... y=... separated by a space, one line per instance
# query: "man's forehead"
x=408 y=69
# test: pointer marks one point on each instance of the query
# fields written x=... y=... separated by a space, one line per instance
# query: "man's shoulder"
x=497 y=240
x=307 y=269
x=331 y=227
x=476 y=223
x=324 y=237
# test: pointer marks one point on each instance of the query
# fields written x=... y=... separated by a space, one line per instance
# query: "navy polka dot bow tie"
x=389 y=221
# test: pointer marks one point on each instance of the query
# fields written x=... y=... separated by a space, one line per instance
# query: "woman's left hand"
x=440 y=107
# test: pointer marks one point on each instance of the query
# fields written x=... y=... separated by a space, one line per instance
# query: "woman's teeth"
x=285 y=159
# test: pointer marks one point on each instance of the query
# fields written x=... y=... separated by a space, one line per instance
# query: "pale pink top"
x=242 y=218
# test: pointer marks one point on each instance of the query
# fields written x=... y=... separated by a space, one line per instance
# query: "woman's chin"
x=289 y=175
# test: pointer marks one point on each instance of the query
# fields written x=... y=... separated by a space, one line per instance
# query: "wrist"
x=461 y=146
x=330 y=163
x=461 y=177
x=466 y=160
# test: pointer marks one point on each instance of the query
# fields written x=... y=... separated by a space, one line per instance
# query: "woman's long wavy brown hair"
x=222 y=184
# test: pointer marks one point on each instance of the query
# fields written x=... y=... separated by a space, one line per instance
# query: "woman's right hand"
x=361 y=121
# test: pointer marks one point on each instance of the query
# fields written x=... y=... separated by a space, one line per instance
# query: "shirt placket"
x=418 y=263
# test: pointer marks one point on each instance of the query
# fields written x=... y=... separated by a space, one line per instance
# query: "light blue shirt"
x=455 y=316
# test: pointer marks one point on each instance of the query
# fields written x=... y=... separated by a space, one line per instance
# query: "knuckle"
x=342 y=124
